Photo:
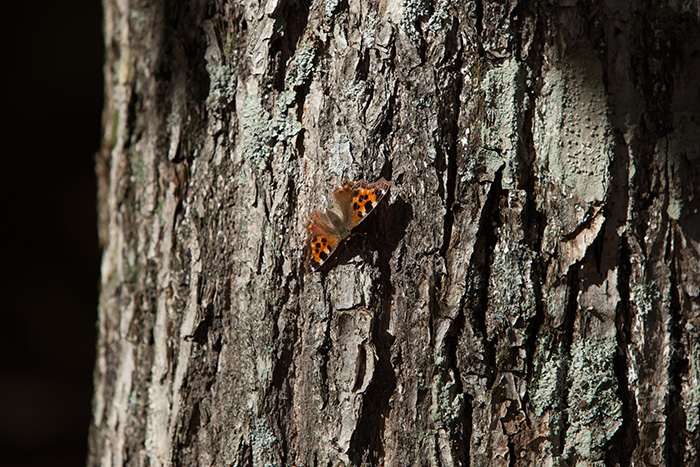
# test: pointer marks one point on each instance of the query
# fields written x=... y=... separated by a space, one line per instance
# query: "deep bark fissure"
x=479 y=18
x=622 y=445
x=512 y=456
x=534 y=221
x=479 y=280
x=324 y=352
x=291 y=18
x=676 y=434
x=458 y=435
x=536 y=322
x=245 y=458
x=449 y=111
x=367 y=440
x=467 y=432
x=366 y=444
x=291 y=336
x=564 y=336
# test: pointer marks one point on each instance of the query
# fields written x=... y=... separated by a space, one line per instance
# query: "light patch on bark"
x=650 y=349
x=501 y=134
x=117 y=416
x=353 y=361
x=593 y=406
x=573 y=137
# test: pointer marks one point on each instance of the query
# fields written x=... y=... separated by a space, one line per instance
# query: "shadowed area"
x=51 y=101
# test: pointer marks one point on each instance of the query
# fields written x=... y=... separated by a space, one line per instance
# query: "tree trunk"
x=528 y=293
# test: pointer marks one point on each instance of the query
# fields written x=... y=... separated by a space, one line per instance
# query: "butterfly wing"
x=323 y=238
x=357 y=199
x=353 y=202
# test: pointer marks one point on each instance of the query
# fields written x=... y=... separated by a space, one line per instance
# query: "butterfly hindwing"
x=323 y=239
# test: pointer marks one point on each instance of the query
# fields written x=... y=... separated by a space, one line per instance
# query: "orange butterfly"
x=353 y=201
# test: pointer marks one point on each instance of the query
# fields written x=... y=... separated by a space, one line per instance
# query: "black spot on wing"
x=323 y=255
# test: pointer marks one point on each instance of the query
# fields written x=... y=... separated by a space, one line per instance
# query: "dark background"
x=51 y=102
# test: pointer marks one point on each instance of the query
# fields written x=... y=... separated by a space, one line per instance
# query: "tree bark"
x=527 y=294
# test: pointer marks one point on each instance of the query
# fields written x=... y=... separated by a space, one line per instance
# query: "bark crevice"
x=676 y=435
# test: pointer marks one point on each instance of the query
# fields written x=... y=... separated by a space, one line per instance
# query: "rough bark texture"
x=529 y=294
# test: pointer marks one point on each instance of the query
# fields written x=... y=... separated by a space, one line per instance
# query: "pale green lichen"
x=331 y=5
x=674 y=209
x=369 y=29
x=511 y=293
x=447 y=405
x=641 y=297
x=353 y=88
x=572 y=133
x=285 y=122
x=441 y=14
x=115 y=128
x=159 y=212
x=139 y=19
x=340 y=154
x=691 y=390
x=340 y=37
x=594 y=408
x=300 y=67
x=546 y=386
x=413 y=11
x=138 y=168
x=222 y=86
x=132 y=268
x=261 y=130
x=256 y=131
x=505 y=100
x=264 y=444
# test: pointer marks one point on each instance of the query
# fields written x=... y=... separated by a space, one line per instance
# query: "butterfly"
x=353 y=202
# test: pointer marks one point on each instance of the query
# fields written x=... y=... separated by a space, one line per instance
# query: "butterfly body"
x=353 y=202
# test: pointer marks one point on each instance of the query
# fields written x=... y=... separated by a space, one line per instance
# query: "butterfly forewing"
x=365 y=197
